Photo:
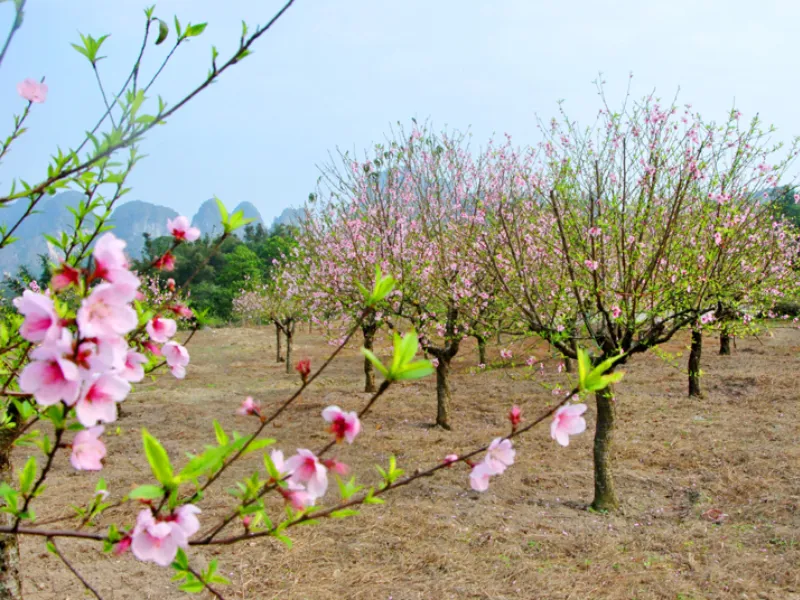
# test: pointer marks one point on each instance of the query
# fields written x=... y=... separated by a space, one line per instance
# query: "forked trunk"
x=694 y=363
x=369 y=371
x=443 y=392
x=605 y=496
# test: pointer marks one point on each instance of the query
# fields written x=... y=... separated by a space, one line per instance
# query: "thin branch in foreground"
x=75 y=572
x=213 y=592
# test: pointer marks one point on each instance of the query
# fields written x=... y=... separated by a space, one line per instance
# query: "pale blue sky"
x=339 y=72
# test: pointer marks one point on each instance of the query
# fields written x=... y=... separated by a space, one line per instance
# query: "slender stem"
x=103 y=93
x=214 y=592
x=73 y=569
x=42 y=476
x=159 y=118
x=14 y=26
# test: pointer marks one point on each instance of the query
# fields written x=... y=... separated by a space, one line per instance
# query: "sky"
x=339 y=73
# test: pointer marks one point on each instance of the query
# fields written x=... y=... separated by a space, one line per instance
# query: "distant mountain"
x=250 y=212
x=207 y=218
x=133 y=219
x=289 y=216
x=130 y=221
x=51 y=217
x=208 y=222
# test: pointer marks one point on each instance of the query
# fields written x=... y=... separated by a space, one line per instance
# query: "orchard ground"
x=530 y=535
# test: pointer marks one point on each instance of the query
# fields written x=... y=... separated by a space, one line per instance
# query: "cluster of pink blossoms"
x=156 y=539
x=87 y=362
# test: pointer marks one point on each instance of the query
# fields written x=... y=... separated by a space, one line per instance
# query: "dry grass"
x=530 y=536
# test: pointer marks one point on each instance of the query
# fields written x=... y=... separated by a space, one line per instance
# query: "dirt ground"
x=530 y=536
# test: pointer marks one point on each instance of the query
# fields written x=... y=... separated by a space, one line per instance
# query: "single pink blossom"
x=334 y=466
x=450 y=459
x=185 y=517
x=32 y=90
x=156 y=541
x=106 y=312
x=181 y=230
x=98 y=401
x=177 y=358
x=41 y=321
x=592 y=265
x=500 y=454
x=249 y=407
x=568 y=421
x=515 y=416
x=506 y=354
x=160 y=329
x=166 y=262
x=299 y=499
x=616 y=312
x=343 y=425
x=64 y=276
x=480 y=475
x=152 y=347
x=111 y=263
x=530 y=361
x=50 y=376
x=133 y=370
x=308 y=471
x=88 y=449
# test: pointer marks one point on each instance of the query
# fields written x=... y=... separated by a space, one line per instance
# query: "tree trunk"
x=605 y=497
x=289 y=337
x=481 y=349
x=694 y=363
x=724 y=343
x=10 y=585
x=278 y=357
x=369 y=371
x=568 y=364
x=443 y=392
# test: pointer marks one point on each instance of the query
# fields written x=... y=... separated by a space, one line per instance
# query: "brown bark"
x=481 y=349
x=369 y=371
x=10 y=585
x=694 y=363
x=278 y=357
x=605 y=496
x=724 y=343
x=443 y=397
x=289 y=332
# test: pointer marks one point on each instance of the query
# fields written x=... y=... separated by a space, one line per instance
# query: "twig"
x=75 y=572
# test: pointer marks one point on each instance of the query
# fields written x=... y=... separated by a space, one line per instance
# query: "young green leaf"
x=158 y=459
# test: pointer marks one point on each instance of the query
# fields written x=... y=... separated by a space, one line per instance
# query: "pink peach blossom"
x=568 y=421
x=249 y=407
x=106 y=312
x=64 y=276
x=185 y=517
x=88 y=449
x=450 y=459
x=32 y=90
x=308 y=471
x=177 y=358
x=133 y=370
x=156 y=541
x=500 y=454
x=181 y=230
x=160 y=329
x=111 y=263
x=480 y=475
x=98 y=401
x=334 y=466
x=50 y=376
x=515 y=416
x=343 y=425
x=41 y=321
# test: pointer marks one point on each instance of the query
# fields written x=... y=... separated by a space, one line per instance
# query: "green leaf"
x=376 y=362
x=147 y=492
x=158 y=459
x=256 y=445
x=222 y=437
x=345 y=512
x=163 y=32
x=192 y=587
x=584 y=367
x=51 y=547
x=194 y=30
x=223 y=213
x=415 y=370
x=27 y=476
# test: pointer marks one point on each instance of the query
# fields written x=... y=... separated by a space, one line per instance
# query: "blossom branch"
x=59 y=554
